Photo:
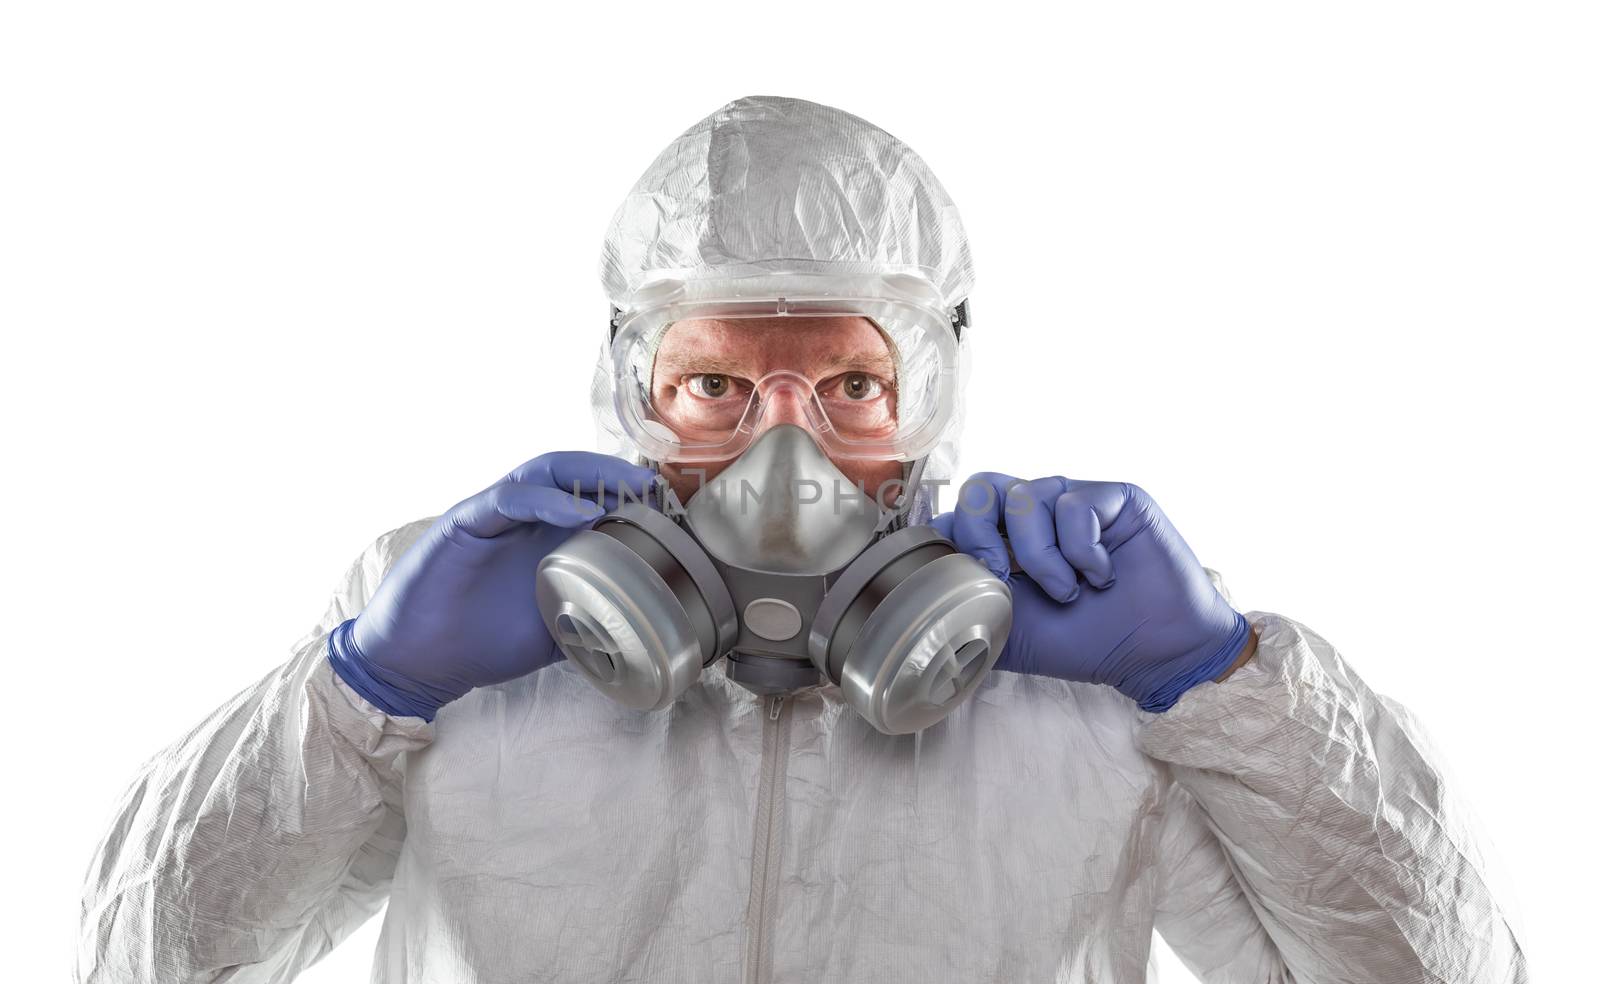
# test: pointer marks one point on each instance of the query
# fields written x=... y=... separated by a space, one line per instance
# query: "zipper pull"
x=777 y=707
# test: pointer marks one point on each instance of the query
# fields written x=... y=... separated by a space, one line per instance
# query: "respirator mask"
x=778 y=561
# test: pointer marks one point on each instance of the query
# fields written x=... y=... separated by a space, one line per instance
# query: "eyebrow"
x=713 y=364
x=878 y=363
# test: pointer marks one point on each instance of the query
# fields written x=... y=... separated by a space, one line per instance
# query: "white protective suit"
x=1286 y=824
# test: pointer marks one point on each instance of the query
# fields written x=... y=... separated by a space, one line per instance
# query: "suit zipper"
x=766 y=855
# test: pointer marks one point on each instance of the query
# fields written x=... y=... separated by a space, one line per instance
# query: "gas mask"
x=791 y=572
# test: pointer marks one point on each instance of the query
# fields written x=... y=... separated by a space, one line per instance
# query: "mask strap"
x=960 y=318
x=911 y=502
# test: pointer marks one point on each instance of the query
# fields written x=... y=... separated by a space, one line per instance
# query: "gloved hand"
x=1111 y=595
x=457 y=610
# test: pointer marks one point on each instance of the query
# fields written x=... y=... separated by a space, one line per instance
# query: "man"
x=1144 y=757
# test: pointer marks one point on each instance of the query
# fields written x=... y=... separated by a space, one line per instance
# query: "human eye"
x=856 y=386
x=714 y=385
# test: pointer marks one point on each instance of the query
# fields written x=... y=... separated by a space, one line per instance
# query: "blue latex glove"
x=457 y=610
x=1111 y=595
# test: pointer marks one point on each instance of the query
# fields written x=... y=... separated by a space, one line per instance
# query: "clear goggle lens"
x=869 y=379
x=711 y=409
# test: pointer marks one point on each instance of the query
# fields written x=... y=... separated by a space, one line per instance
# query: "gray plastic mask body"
x=778 y=523
x=783 y=508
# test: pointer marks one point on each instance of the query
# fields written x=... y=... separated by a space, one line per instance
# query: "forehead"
x=764 y=344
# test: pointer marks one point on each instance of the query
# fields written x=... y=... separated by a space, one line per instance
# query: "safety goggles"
x=870 y=372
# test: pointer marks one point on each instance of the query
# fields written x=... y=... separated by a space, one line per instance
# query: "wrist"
x=1245 y=655
x=386 y=691
x=1234 y=650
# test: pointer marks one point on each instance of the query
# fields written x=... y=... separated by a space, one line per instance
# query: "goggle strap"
x=960 y=317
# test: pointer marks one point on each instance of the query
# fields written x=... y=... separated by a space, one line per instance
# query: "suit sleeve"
x=1201 y=910
x=260 y=839
x=1333 y=828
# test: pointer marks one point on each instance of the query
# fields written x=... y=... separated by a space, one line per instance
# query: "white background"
x=1322 y=277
